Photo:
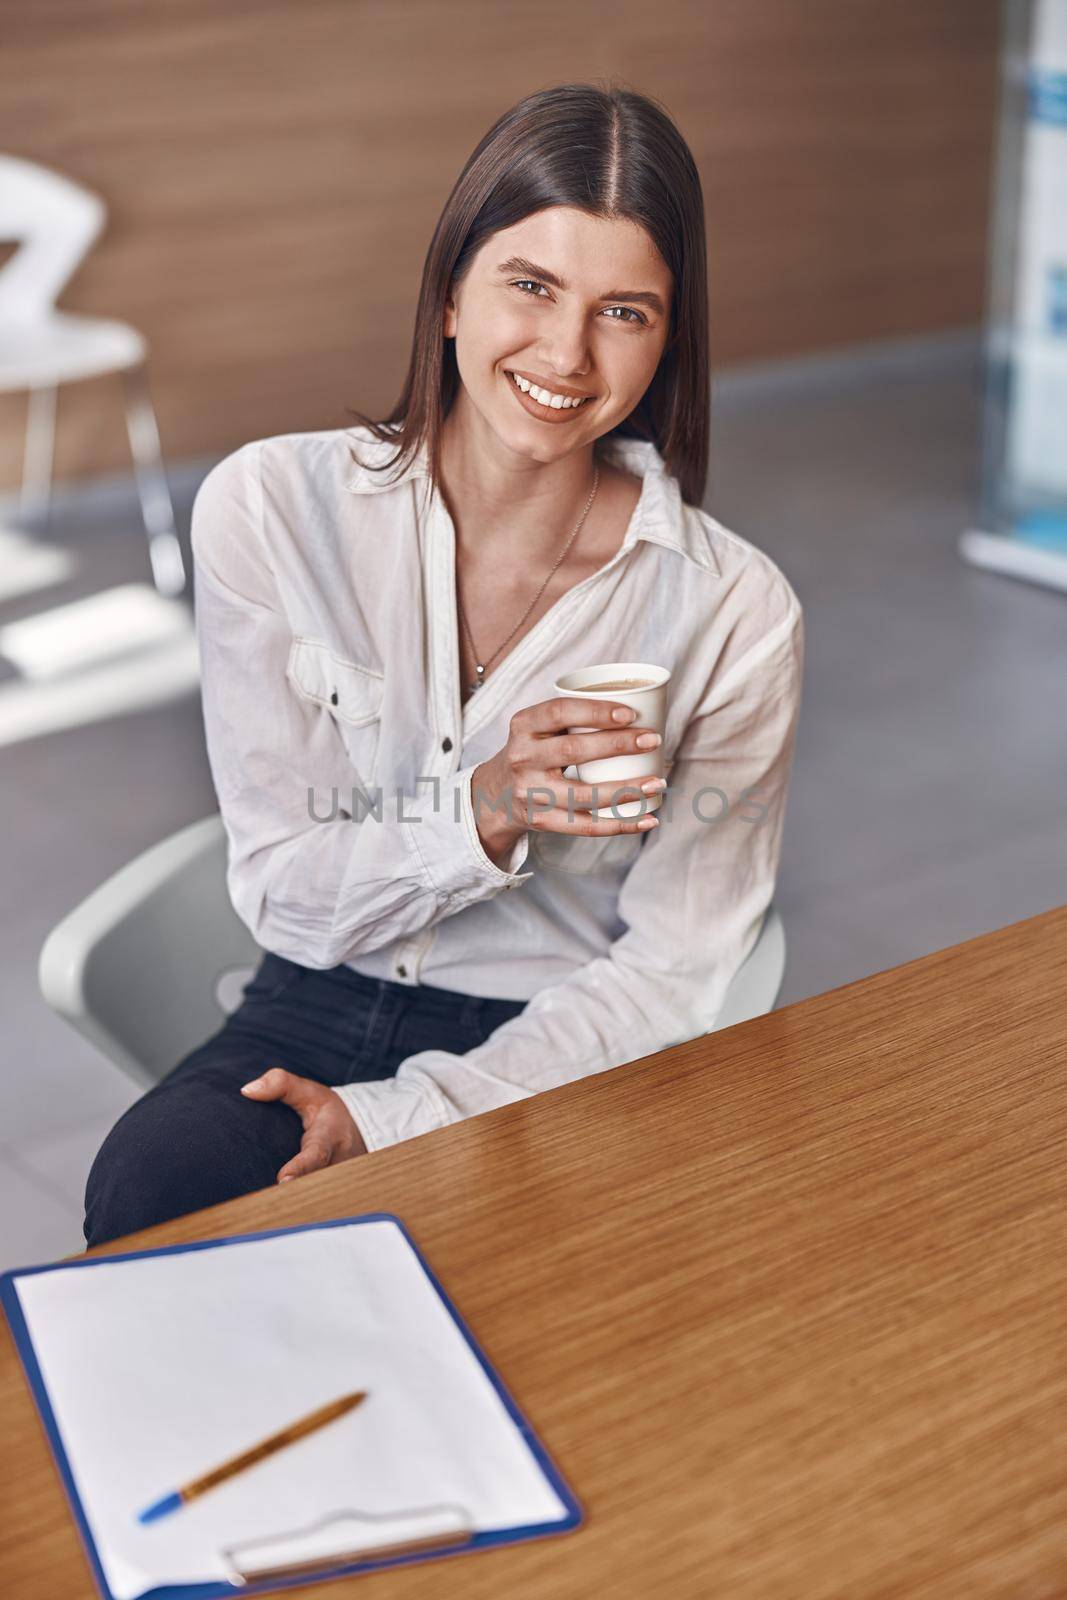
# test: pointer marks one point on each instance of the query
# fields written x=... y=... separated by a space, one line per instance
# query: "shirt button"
x=333 y=698
x=403 y=971
x=446 y=745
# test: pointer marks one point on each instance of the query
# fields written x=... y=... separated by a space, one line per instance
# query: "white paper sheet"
x=160 y=1368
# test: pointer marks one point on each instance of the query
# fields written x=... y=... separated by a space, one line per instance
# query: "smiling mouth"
x=545 y=397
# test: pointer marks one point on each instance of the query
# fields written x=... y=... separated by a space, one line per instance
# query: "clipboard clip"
x=343 y=1537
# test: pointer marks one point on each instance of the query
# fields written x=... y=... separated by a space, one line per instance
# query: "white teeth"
x=556 y=402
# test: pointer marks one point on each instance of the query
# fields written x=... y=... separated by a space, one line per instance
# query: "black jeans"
x=194 y=1140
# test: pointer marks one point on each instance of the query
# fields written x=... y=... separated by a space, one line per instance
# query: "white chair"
x=152 y=962
x=55 y=221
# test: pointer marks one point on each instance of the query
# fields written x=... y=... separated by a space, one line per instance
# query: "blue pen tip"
x=169 y=1502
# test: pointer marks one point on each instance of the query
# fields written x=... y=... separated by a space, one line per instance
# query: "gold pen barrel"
x=275 y=1441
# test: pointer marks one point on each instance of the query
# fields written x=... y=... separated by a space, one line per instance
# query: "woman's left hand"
x=330 y=1135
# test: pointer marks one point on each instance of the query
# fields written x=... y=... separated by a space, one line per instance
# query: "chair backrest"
x=149 y=965
x=55 y=221
x=755 y=986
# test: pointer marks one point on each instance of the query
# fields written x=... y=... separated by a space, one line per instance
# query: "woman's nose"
x=568 y=357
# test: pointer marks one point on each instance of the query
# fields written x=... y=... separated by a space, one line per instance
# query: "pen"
x=247 y=1458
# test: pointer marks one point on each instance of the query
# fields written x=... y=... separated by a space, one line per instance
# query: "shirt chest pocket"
x=349 y=694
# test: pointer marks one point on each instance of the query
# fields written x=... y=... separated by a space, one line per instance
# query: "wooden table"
x=787 y=1304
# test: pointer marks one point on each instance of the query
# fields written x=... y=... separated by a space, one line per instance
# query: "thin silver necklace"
x=480 y=667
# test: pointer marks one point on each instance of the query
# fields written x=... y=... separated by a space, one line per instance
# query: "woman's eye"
x=534 y=285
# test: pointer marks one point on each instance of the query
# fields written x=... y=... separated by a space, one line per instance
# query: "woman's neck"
x=501 y=506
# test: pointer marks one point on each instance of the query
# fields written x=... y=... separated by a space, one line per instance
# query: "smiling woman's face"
x=575 y=305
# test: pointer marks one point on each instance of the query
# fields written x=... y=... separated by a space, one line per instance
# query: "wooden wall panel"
x=274 y=170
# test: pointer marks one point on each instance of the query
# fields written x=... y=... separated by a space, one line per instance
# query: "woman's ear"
x=450 y=317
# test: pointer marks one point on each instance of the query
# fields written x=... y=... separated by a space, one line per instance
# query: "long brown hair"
x=612 y=153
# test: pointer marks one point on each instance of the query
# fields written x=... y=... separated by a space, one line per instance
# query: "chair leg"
x=39 y=450
x=157 y=508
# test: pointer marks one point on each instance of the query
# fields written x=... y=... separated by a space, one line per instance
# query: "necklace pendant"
x=478 y=680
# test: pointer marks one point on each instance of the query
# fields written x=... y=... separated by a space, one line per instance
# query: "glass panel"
x=1023 y=492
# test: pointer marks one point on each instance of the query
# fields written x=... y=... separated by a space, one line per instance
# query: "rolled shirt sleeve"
x=693 y=903
x=318 y=892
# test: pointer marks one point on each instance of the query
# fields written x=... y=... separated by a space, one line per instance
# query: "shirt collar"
x=662 y=516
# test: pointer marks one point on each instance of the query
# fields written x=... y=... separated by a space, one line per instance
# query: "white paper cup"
x=615 y=772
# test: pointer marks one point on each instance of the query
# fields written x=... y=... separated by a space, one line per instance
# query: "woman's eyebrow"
x=530 y=269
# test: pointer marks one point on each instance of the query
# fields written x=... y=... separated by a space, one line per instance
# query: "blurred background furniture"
x=55 y=222
x=151 y=963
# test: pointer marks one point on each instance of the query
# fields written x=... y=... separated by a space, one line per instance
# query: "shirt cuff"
x=387 y=1111
x=448 y=843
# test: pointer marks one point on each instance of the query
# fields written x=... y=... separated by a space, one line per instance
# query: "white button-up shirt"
x=342 y=759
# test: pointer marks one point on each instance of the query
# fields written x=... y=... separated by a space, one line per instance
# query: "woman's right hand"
x=538 y=749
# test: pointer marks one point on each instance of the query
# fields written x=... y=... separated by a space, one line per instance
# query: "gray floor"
x=927 y=799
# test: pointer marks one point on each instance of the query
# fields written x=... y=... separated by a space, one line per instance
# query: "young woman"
x=383 y=611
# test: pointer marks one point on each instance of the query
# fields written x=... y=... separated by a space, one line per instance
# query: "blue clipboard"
x=319 y=1572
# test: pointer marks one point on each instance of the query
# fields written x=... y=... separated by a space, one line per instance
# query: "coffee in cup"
x=618 y=686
